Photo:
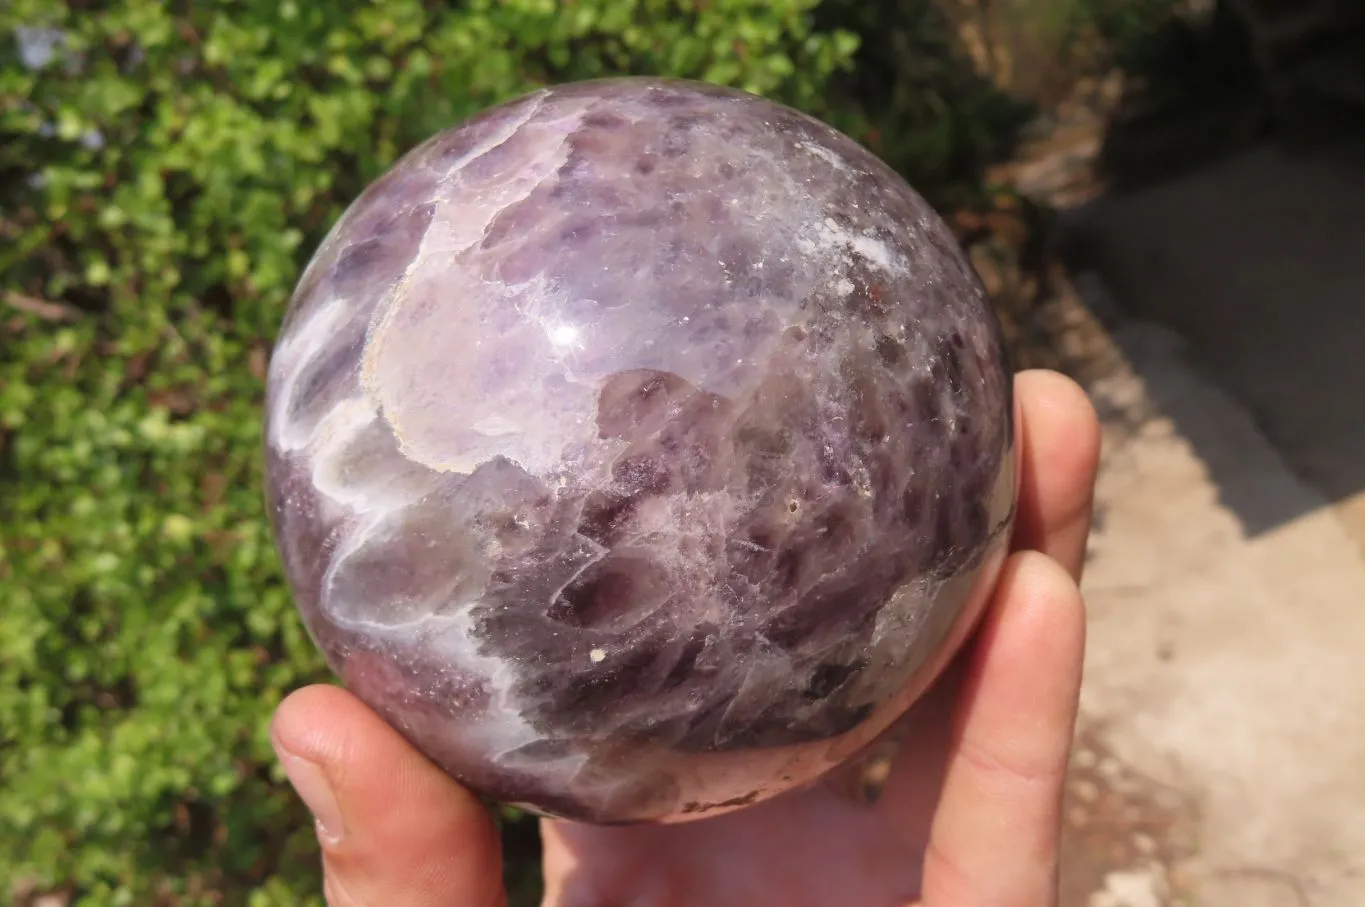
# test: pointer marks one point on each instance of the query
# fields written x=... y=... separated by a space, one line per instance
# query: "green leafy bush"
x=163 y=176
x=165 y=170
x=916 y=96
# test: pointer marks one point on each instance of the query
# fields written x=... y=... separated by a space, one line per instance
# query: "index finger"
x=1059 y=438
x=995 y=834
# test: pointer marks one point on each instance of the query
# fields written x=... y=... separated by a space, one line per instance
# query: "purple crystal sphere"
x=640 y=449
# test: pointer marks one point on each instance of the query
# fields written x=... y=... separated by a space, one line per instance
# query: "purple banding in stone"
x=640 y=449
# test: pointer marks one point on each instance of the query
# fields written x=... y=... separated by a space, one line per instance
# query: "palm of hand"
x=969 y=816
x=815 y=846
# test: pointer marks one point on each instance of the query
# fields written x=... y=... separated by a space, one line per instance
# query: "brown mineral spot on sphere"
x=639 y=449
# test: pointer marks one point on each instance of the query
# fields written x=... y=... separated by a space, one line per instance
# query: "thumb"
x=395 y=830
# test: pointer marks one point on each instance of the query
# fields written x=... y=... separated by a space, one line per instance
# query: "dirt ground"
x=1218 y=321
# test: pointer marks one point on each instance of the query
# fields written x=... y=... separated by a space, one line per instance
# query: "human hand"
x=970 y=812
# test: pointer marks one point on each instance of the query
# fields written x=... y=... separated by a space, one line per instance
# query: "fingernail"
x=311 y=783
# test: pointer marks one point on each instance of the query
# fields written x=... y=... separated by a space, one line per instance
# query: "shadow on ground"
x=1211 y=298
x=1258 y=260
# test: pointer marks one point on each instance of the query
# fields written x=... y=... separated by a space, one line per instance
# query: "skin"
x=970 y=815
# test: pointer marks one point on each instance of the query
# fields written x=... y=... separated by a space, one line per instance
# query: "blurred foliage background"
x=166 y=168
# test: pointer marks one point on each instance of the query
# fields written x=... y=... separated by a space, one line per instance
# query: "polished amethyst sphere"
x=640 y=449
